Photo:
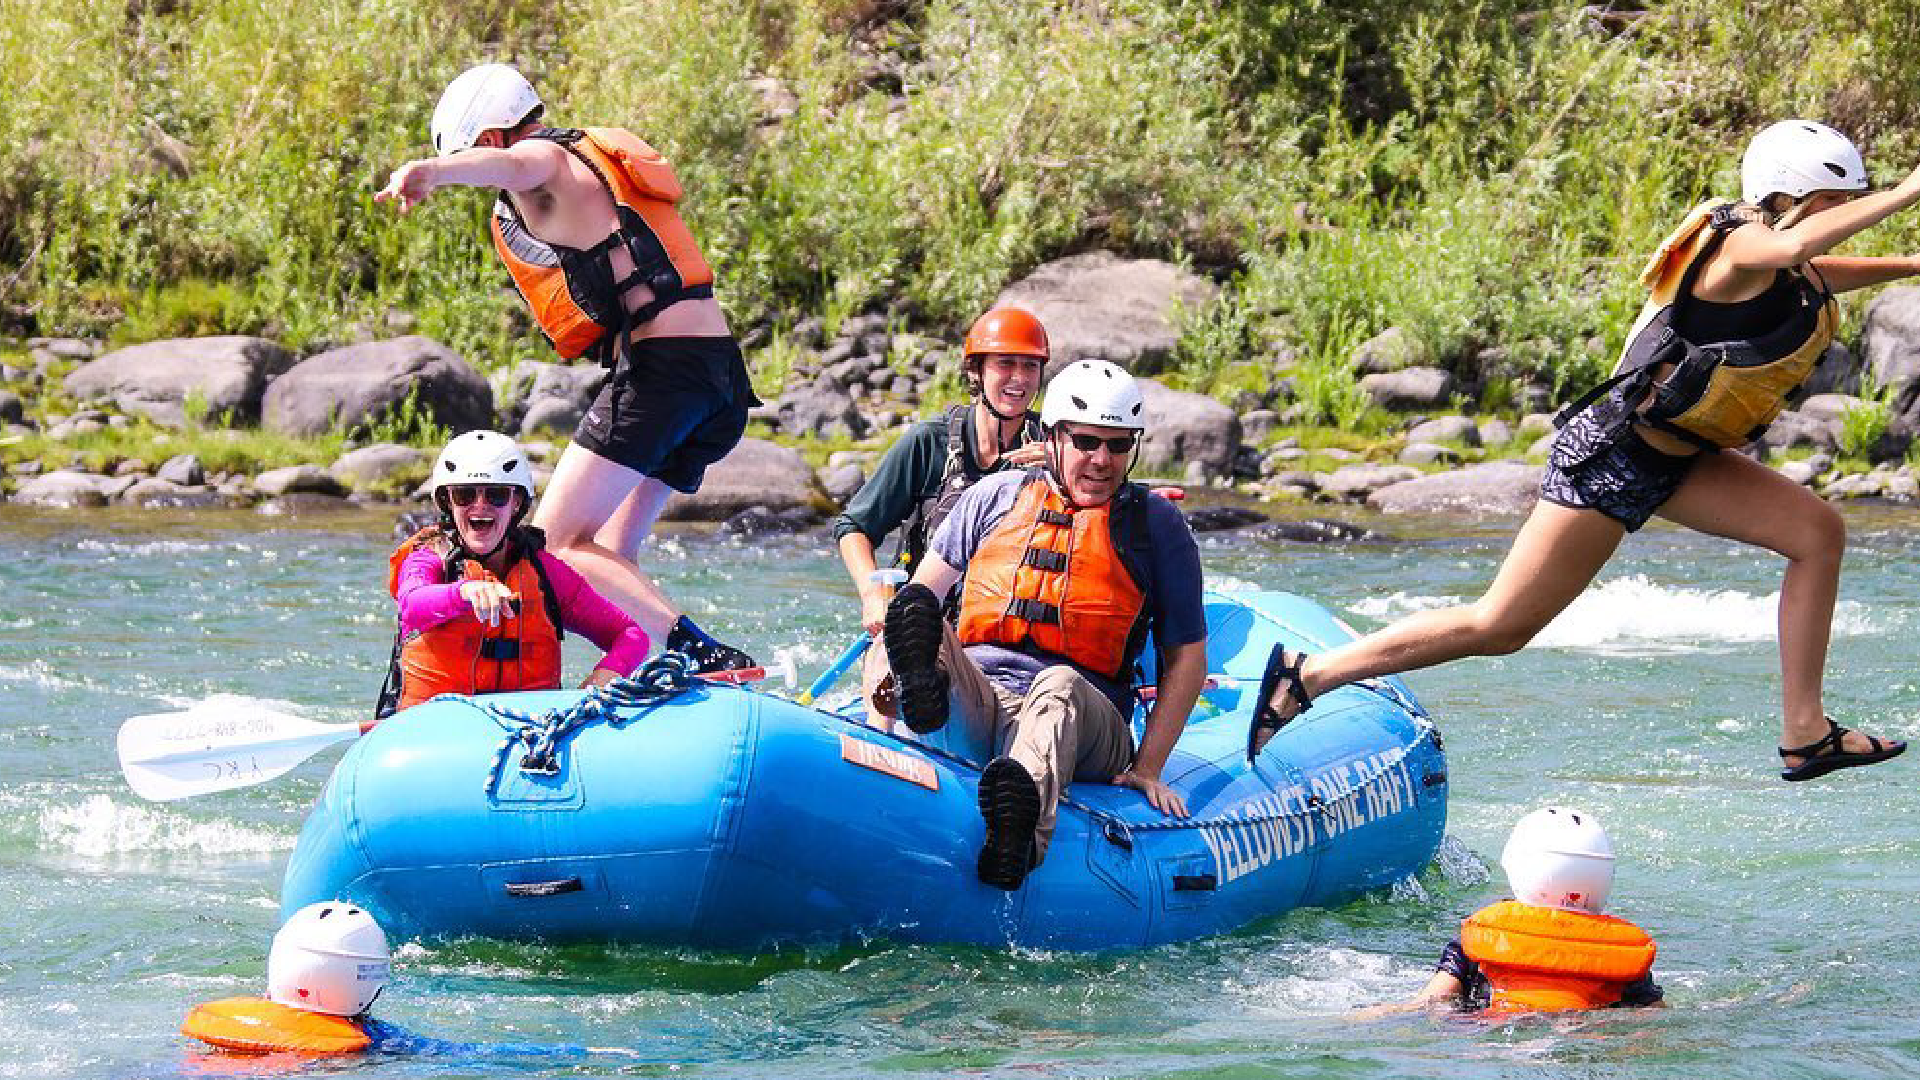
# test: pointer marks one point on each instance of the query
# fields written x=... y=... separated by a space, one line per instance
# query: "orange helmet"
x=1009 y=330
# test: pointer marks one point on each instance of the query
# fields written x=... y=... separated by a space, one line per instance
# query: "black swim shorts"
x=673 y=407
x=1600 y=465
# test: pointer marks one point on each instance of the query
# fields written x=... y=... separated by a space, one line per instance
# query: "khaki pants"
x=1061 y=730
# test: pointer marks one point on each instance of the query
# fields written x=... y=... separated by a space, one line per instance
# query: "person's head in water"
x=1797 y=167
x=1005 y=359
x=331 y=958
x=1094 y=418
x=483 y=106
x=482 y=486
x=1559 y=857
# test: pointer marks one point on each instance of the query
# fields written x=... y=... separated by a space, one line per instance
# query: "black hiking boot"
x=1010 y=803
x=913 y=631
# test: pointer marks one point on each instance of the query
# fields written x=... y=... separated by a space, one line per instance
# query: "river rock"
x=551 y=397
x=1792 y=428
x=1359 y=481
x=1838 y=372
x=1803 y=472
x=296 y=504
x=756 y=473
x=182 y=469
x=1460 y=429
x=154 y=491
x=1426 y=453
x=1183 y=426
x=381 y=463
x=1413 y=389
x=760 y=521
x=1221 y=518
x=298 y=479
x=1100 y=306
x=13 y=410
x=842 y=483
x=1891 y=342
x=821 y=409
x=352 y=387
x=63 y=488
x=1389 y=350
x=1316 y=531
x=226 y=375
x=1496 y=487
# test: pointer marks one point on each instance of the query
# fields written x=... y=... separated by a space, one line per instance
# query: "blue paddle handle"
x=832 y=675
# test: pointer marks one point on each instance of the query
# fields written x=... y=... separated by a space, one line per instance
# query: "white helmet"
x=1094 y=392
x=1797 y=158
x=1561 y=858
x=482 y=457
x=480 y=99
x=331 y=957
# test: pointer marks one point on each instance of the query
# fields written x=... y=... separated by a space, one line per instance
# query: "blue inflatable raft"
x=723 y=817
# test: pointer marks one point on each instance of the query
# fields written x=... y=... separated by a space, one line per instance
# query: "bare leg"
x=633 y=521
x=1719 y=498
x=1553 y=560
x=587 y=494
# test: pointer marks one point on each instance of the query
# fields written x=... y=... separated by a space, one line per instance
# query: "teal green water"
x=1785 y=913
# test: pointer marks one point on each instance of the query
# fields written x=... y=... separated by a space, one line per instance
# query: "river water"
x=1785 y=913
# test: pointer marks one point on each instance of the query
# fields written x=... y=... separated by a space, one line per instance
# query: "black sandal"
x=1283 y=669
x=1824 y=755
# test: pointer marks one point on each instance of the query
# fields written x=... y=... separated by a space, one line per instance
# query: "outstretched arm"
x=1757 y=247
x=524 y=166
x=1845 y=273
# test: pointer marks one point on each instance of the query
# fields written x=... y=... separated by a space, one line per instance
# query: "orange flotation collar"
x=573 y=293
x=1057 y=579
x=466 y=656
x=259 y=1026
x=1548 y=958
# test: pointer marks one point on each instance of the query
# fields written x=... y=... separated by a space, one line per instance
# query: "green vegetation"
x=1478 y=176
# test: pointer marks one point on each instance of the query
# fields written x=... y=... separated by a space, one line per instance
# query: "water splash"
x=1632 y=615
x=98 y=826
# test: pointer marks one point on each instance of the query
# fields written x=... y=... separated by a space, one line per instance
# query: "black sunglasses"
x=497 y=494
x=1116 y=444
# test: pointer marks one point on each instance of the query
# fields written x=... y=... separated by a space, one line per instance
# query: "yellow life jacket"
x=466 y=656
x=258 y=1026
x=573 y=293
x=1721 y=394
x=1549 y=958
x=1063 y=581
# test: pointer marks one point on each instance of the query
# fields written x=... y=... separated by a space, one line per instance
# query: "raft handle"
x=1195 y=883
x=1434 y=779
x=1117 y=834
x=544 y=888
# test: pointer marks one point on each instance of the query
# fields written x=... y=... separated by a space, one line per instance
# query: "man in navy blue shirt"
x=1067 y=571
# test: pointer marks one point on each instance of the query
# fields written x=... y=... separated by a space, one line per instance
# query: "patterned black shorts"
x=1596 y=465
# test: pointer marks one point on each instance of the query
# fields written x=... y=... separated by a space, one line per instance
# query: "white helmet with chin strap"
x=481 y=99
x=1094 y=392
x=1559 y=857
x=1797 y=158
x=482 y=457
x=330 y=957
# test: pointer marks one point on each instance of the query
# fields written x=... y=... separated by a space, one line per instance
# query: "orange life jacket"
x=1066 y=582
x=1550 y=958
x=573 y=293
x=258 y=1026
x=466 y=656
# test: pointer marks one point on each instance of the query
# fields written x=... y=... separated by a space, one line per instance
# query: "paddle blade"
x=220 y=744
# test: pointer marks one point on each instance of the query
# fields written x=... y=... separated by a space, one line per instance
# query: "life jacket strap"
x=1043 y=559
x=1034 y=611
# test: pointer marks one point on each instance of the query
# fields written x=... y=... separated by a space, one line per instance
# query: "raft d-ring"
x=540 y=765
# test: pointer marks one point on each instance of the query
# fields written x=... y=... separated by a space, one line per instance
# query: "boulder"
x=298 y=479
x=225 y=376
x=182 y=469
x=64 y=488
x=1496 y=487
x=380 y=464
x=843 y=482
x=353 y=387
x=1316 y=531
x=1413 y=389
x=1100 y=306
x=757 y=473
x=542 y=397
x=1426 y=453
x=1460 y=429
x=1791 y=429
x=1359 y=481
x=156 y=492
x=1838 y=372
x=1389 y=350
x=819 y=409
x=1189 y=427
x=12 y=409
x=1891 y=342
